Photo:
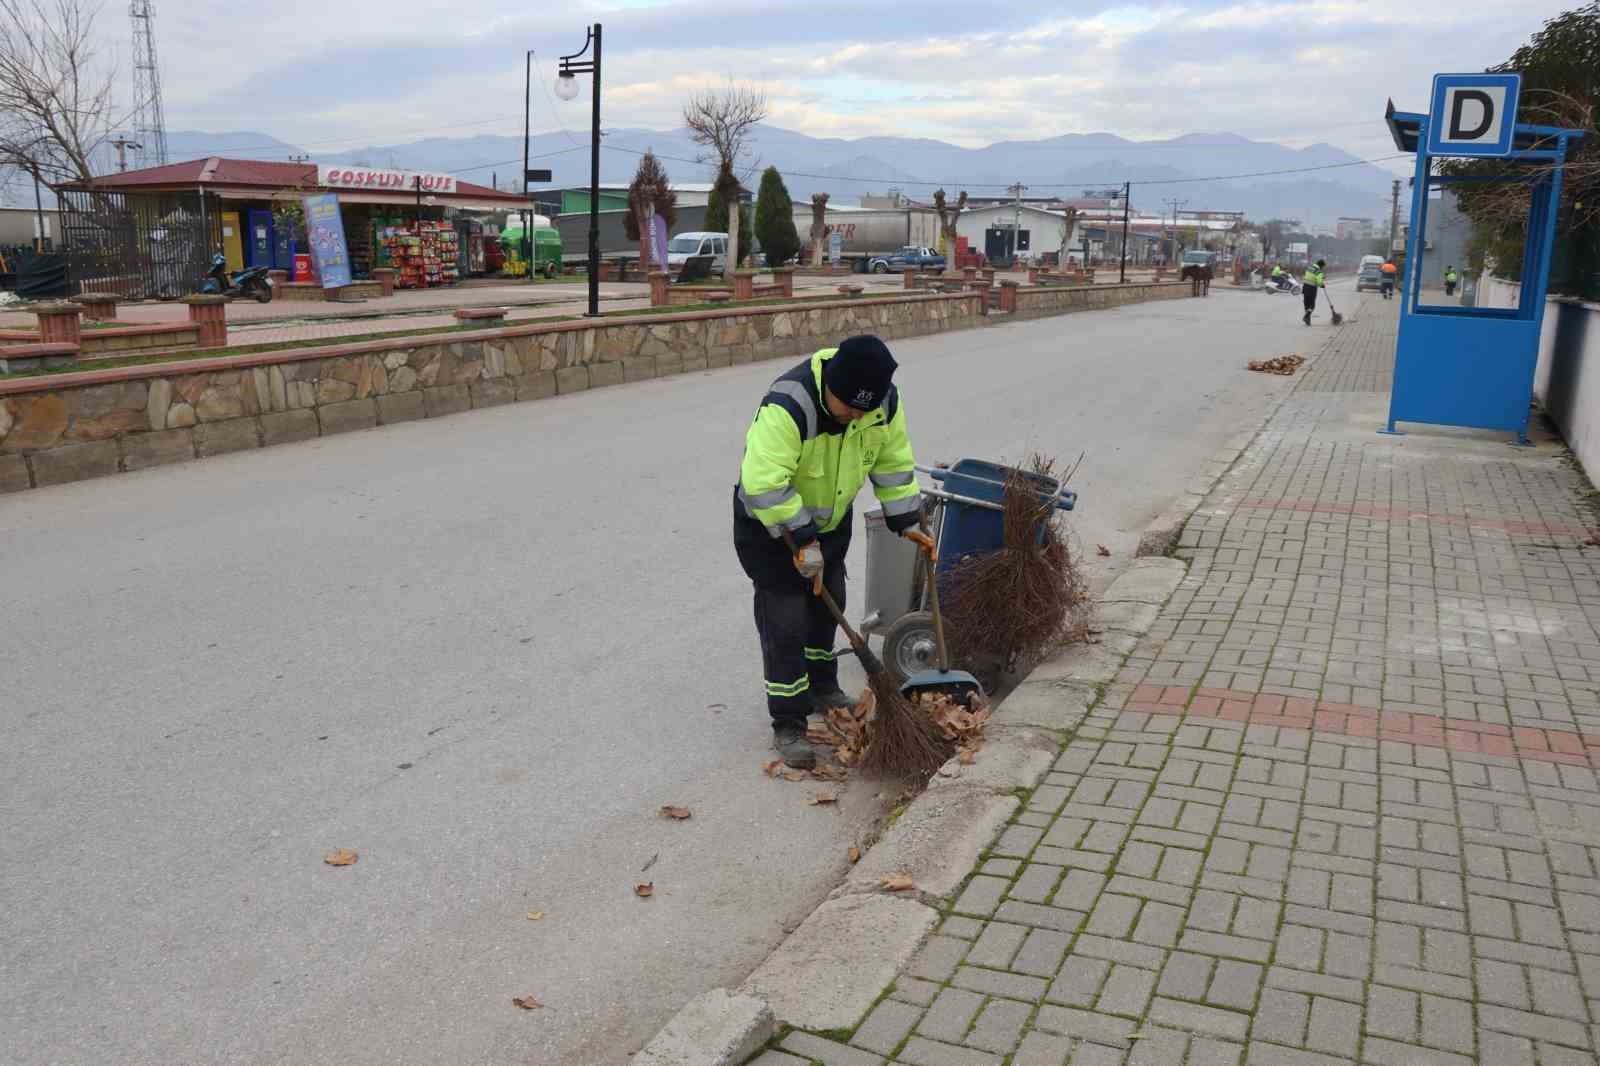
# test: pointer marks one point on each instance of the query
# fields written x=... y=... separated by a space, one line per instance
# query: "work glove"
x=808 y=560
x=922 y=541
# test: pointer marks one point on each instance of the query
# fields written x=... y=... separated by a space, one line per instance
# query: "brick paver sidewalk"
x=1340 y=806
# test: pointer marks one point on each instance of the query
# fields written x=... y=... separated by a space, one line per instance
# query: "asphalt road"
x=481 y=651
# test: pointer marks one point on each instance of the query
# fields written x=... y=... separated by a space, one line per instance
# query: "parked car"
x=685 y=245
x=912 y=255
x=1370 y=277
x=1199 y=257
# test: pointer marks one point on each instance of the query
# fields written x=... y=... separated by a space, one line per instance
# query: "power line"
x=1032 y=182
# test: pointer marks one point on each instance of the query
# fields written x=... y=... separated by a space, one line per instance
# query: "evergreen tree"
x=774 y=219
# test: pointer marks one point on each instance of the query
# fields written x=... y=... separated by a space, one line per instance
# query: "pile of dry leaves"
x=844 y=736
x=1283 y=364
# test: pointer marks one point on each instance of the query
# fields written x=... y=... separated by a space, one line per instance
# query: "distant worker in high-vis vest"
x=822 y=430
x=1450 y=279
x=1313 y=279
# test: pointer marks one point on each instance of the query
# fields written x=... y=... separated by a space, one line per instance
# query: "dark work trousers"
x=796 y=630
x=1309 y=294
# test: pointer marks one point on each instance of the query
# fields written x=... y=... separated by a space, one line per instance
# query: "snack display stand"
x=426 y=254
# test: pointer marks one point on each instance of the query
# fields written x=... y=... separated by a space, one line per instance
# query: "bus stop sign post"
x=1458 y=365
x=1473 y=115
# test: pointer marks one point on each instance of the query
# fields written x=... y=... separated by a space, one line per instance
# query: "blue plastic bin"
x=969 y=529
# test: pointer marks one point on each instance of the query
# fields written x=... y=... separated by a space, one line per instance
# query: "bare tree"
x=947 y=225
x=55 y=93
x=722 y=121
x=819 y=225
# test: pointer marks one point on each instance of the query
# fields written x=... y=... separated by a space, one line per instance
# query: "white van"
x=1370 y=260
x=685 y=245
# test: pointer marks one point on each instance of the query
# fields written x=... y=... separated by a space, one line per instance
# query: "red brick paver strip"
x=1341 y=803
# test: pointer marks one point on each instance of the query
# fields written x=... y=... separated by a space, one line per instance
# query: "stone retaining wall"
x=1055 y=300
x=67 y=427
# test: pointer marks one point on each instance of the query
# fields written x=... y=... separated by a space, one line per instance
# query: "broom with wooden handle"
x=902 y=740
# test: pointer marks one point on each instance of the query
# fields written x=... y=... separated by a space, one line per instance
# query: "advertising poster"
x=325 y=234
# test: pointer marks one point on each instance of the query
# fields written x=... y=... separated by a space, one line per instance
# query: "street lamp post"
x=527 y=228
x=567 y=88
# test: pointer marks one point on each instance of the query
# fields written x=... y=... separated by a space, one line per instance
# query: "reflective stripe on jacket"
x=801 y=468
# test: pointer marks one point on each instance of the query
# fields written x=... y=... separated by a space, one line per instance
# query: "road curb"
x=831 y=971
x=716 y=1028
x=1161 y=536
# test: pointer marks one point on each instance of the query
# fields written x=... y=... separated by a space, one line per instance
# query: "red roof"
x=268 y=175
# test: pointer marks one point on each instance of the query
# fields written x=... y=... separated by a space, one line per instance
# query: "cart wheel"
x=909 y=646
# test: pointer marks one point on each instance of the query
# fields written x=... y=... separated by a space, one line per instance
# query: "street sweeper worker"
x=1312 y=280
x=821 y=431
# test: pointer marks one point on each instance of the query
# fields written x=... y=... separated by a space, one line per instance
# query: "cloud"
x=1301 y=72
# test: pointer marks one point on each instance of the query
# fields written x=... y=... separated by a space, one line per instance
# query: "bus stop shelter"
x=1456 y=364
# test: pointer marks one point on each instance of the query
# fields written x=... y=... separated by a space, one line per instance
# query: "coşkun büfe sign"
x=341 y=177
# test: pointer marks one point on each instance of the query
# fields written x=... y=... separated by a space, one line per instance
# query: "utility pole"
x=1176 y=206
x=121 y=143
x=1394 y=218
x=1122 y=274
x=1016 y=217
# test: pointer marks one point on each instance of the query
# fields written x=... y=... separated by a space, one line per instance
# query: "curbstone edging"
x=834 y=967
x=716 y=1028
x=936 y=841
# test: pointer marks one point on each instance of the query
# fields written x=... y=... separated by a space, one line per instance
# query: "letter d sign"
x=1473 y=114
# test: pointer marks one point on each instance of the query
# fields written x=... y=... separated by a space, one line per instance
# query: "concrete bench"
x=721 y=296
x=851 y=290
x=26 y=358
x=488 y=316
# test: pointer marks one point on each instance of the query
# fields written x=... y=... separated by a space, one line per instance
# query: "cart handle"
x=1066 y=499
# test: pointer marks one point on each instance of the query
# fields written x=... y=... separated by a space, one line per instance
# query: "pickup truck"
x=909 y=256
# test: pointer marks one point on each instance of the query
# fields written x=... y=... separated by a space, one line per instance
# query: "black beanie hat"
x=860 y=372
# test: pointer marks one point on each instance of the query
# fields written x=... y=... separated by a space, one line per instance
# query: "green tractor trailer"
x=546 y=249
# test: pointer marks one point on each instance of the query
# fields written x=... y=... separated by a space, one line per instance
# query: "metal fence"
x=137 y=245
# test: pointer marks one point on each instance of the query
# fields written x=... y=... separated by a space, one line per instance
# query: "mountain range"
x=1205 y=171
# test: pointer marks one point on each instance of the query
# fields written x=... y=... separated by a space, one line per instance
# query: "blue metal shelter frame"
x=1474 y=366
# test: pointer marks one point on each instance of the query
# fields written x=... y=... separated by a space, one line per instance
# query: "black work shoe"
x=790 y=740
x=1307 y=318
x=825 y=699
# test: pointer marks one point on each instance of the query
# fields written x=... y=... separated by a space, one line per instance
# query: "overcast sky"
x=320 y=75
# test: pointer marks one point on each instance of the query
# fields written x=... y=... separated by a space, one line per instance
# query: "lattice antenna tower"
x=150 y=124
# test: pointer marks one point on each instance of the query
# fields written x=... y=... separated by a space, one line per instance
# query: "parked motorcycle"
x=252 y=281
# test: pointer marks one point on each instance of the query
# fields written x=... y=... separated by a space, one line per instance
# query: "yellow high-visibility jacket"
x=802 y=468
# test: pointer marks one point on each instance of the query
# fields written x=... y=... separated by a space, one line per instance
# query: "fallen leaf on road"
x=341 y=857
x=1283 y=364
x=1102 y=551
x=898 y=883
x=966 y=756
x=855 y=853
x=827 y=771
x=822 y=798
x=527 y=1002
x=646 y=890
x=770 y=767
x=534 y=916
x=676 y=813
x=795 y=775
